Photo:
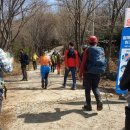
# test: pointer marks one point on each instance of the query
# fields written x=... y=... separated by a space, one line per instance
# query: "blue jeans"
x=73 y=72
x=45 y=79
x=44 y=74
x=91 y=82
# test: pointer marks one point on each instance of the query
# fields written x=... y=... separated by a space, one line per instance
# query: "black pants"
x=53 y=67
x=127 y=118
x=45 y=79
x=34 y=65
x=91 y=82
x=24 y=72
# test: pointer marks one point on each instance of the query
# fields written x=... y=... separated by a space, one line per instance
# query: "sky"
x=53 y=7
x=51 y=1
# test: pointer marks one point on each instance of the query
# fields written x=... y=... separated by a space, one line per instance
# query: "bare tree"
x=15 y=13
x=42 y=30
x=115 y=7
x=80 y=12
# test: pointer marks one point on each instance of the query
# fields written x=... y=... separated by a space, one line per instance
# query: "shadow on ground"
x=52 y=117
x=23 y=82
x=108 y=90
x=93 y=102
x=27 y=88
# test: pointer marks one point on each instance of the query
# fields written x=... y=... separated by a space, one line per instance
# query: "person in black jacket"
x=125 y=85
x=24 y=60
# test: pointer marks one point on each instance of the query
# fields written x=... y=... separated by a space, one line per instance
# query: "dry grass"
x=113 y=66
x=5 y=119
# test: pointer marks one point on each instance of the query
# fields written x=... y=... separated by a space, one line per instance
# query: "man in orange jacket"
x=71 y=64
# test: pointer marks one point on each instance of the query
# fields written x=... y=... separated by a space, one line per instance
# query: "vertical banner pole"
x=124 y=51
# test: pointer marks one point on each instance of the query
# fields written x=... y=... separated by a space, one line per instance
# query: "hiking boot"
x=87 y=108
x=122 y=97
x=73 y=88
x=24 y=80
x=63 y=86
x=43 y=86
x=99 y=106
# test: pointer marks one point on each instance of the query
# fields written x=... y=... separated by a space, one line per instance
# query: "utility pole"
x=79 y=22
x=76 y=23
x=94 y=14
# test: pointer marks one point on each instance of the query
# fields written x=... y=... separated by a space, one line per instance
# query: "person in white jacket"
x=5 y=66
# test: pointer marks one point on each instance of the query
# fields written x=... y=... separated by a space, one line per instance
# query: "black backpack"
x=26 y=59
x=71 y=54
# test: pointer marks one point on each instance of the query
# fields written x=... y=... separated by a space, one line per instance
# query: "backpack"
x=26 y=59
x=71 y=54
x=96 y=63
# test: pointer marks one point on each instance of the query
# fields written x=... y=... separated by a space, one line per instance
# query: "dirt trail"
x=31 y=108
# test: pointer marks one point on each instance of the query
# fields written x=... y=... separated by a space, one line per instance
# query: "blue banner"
x=123 y=58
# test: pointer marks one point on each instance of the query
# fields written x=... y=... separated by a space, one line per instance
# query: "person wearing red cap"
x=92 y=66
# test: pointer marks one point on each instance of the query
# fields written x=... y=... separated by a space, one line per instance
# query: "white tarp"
x=127 y=18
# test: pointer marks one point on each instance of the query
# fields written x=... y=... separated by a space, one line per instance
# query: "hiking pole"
x=106 y=97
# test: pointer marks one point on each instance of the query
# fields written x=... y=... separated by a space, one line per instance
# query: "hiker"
x=45 y=63
x=24 y=60
x=34 y=61
x=59 y=61
x=5 y=66
x=53 y=60
x=71 y=64
x=92 y=66
x=84 y=47
x=125 y=85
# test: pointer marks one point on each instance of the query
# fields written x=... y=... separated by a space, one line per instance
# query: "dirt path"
x=28 y=107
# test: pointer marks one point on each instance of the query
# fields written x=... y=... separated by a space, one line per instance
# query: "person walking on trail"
x=125 y=85
x=59 y=61
x=34 y=61
x=24 y=60
x=92 y=66
x=54 y=60
x=45 y=63
x=5 y=66
x=71 y=64
x=84 y=47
